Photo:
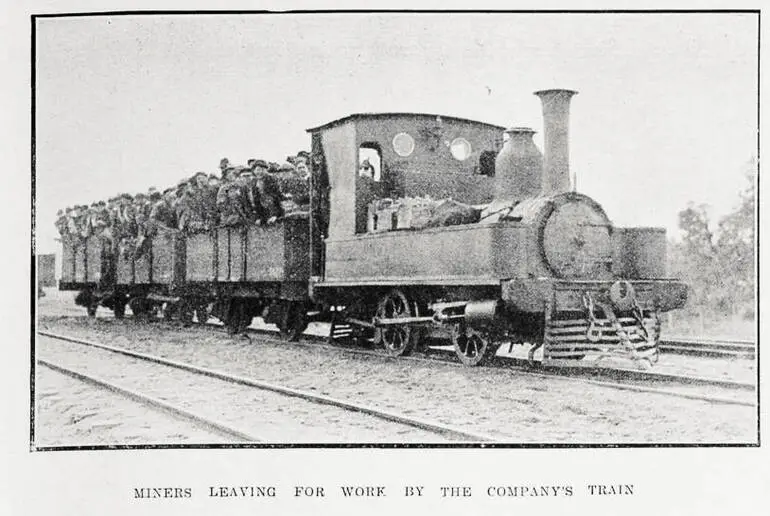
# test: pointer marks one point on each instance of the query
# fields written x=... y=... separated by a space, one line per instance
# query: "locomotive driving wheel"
x=398 y=339
x=472 y=346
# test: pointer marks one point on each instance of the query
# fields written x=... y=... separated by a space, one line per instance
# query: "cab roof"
x=361 y=116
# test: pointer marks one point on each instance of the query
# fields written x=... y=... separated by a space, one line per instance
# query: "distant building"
x=46 y=270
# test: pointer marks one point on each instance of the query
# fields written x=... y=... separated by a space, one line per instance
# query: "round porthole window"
x=460 y=149
x=403 y=144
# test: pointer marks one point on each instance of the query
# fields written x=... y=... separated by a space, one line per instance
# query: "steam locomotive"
x=542 y=265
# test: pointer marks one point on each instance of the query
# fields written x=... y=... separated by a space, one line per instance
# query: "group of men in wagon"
x=257 y=193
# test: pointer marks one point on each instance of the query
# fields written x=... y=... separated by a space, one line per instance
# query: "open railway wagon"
x=543 y=265
x=151 y=277
x=249 y=271
x=235 y=273
x=88 y=267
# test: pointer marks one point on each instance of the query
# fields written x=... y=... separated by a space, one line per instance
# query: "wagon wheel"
x=185 y=313
x=91 y=309
x=397 y=339
x=119 y=309
x=140 y=307
x=202 y=312
x=170 y=311
x=294 y=322
x=237 y=318
x=472 y=346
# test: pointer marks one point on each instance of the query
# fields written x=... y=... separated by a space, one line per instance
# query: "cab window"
x=487 y=163
x=370 y=161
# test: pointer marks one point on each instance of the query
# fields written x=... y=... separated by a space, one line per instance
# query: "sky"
x=666 y=112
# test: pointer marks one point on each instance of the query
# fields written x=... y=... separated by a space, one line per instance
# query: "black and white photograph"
x=487 y=232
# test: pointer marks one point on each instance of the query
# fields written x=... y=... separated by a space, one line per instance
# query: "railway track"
x=197 y=420
x=712 y=390
x=420 y=428
x=682 y=386
x=708 y=347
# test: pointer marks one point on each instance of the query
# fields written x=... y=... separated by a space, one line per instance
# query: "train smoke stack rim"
x=556 y=177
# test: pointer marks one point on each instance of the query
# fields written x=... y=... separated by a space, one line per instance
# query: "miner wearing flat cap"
x=163 y=214
x=142 y=209
x=302 y=164
x=230 y=202
x=267 y=192
x=295 y=187
x=249 y=195
x=202 y=202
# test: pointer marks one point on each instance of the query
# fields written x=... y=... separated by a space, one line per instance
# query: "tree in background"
x=736 y=245
x=718 y=265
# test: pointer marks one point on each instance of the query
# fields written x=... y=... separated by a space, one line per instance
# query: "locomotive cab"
x=364 y=159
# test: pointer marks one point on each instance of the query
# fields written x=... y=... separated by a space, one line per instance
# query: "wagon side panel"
x=200 y=252
x=265 y=253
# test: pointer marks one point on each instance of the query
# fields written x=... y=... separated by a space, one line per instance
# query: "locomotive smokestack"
x=556 y=177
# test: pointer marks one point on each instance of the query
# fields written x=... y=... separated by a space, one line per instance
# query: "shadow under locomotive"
x=541 y=264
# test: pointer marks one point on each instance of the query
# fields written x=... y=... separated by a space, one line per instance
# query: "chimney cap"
x=555 y=90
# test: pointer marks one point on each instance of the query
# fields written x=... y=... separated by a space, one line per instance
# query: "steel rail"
x=654 y=376
x=572 y=374
x=512 y=363
x=445 y=430
x=576 y=374
x=154 y=403
x=708 y=347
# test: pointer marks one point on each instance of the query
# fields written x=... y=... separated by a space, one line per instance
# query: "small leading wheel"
x=472 y=347
x=91 y=309
x=294 y=322
x=397 y=339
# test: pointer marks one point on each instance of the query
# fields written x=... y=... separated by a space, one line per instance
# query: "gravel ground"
x=737 y=369
x=264 y=415
x=72 y=413
x=519 y=408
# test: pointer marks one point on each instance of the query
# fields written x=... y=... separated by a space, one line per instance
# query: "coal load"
x=453 y=213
